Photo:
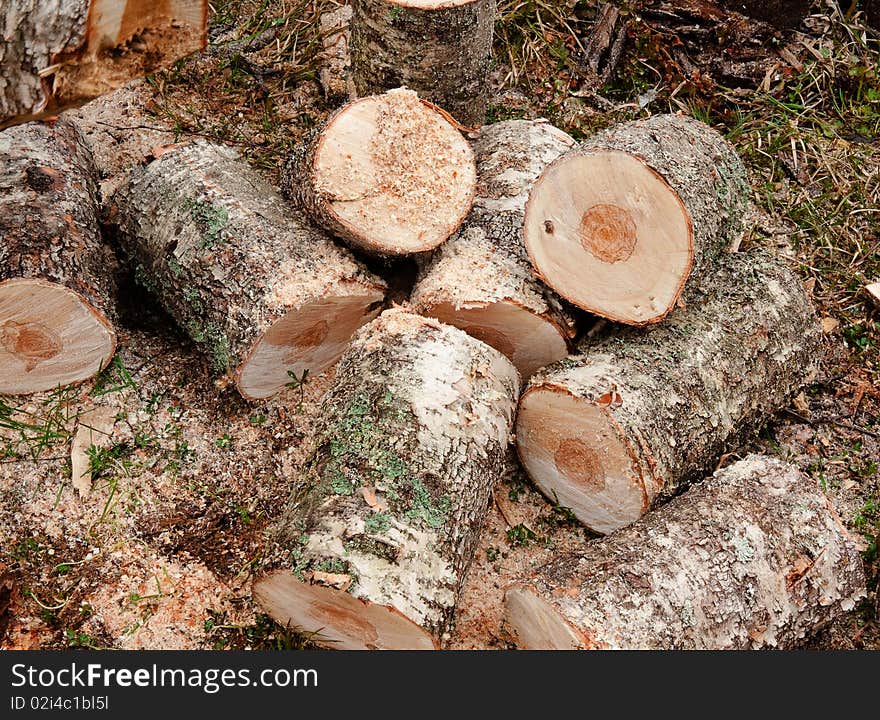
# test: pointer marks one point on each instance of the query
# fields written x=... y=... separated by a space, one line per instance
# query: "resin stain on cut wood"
x=31 y=342
x=608 y=232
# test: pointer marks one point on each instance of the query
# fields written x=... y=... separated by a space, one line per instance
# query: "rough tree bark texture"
x=241 y=273
x=335 y=74
x=694 y=161
x=49 y=234
x=783 y=14
x=481 y=279
x=439 y=48
x=640 y=412
x=387 y=173
x=394 y=498
x=60 y=53
x=754 y=557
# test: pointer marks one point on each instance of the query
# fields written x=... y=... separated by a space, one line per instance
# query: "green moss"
x=378 y=523
x=423 y=508
x=366 y=545
x=211 y=219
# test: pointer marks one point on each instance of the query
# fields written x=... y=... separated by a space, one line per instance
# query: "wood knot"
x=30 y=342
x=579 y=463
x=608 y=232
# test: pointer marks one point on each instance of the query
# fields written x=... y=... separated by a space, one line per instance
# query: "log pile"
x=511 y=226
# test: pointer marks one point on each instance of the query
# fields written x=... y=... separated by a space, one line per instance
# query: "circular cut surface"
x=529 y=341
x=50 y=336
x=610 y=235
x=577 y=457
x=340 y=620
x=395 y=173
x=312 y=338
x=536 y=623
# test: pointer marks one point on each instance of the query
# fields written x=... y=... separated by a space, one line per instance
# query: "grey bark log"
x=702 y=168
x=224 y=254
x=441 y=52
x=61 y=53
x=415 y=433
x=49 y=212
x=335 y=74
x=56 y=276
x=754 y=557
x=485 y=262
x=683 y=392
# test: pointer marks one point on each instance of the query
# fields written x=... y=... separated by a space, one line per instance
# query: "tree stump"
x=56 y=276
x=754 y=557
x=389 y=509
x=63 y=53
x=637 y=209
x=481 y=279
x=640 y=412
x=262 y=292
x=387 y=174
x=439 y=48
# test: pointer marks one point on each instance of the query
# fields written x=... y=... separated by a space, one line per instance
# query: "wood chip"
x=829 y=324
x=873 y=291
x=339 y=581
x=94 y=427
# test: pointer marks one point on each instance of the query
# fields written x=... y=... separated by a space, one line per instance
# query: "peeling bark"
x=439 y=48
x=481 y=279
x=754 y=557
x=56 y=276
x=639 y=209
x=640 y=412
x=62 y=53
x=242 y=274
x=391 y=504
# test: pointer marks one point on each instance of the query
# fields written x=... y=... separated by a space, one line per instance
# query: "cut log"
x=481 y=279
x=439 y=48
x=389 y=509
x=63 y=53
x=56 y=278
x=249 y=281
x=387 y=174
x=640 y=412
x=754 y=557
x=618 y=224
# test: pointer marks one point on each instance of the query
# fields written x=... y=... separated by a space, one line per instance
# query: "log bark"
x=754 y=557
x=243 y=275
x=481 y=279
x=782 y=14
x=640 y=412
x=62 y=53
x=638 y=209
x=335 y=73
x=389 y=509
x=56 y=276
x=387 y=174
x=439 y=48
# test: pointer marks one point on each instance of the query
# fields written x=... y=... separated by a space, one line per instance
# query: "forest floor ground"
x=162 y=552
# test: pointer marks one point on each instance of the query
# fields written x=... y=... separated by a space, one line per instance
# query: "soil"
x=162 y=552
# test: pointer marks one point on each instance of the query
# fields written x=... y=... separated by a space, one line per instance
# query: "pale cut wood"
x=387 y=174
x=61 y=53
x=386 y=515
x=94 y=429
x=639 y=412
x=439 y=48
x=873 y=291
x=481 y=279
x=617 y=225
x=247 y=278
x=754 y=557
x=56 y=276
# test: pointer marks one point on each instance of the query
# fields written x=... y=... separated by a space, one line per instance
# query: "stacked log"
x=388 y=511
x=637 y=209
x=263 y=293
x=481 y=279
x=388 y=174
x=754 y=557
x=640 y=412
x=439 y=48
x=56 y=276
x=61 y=54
